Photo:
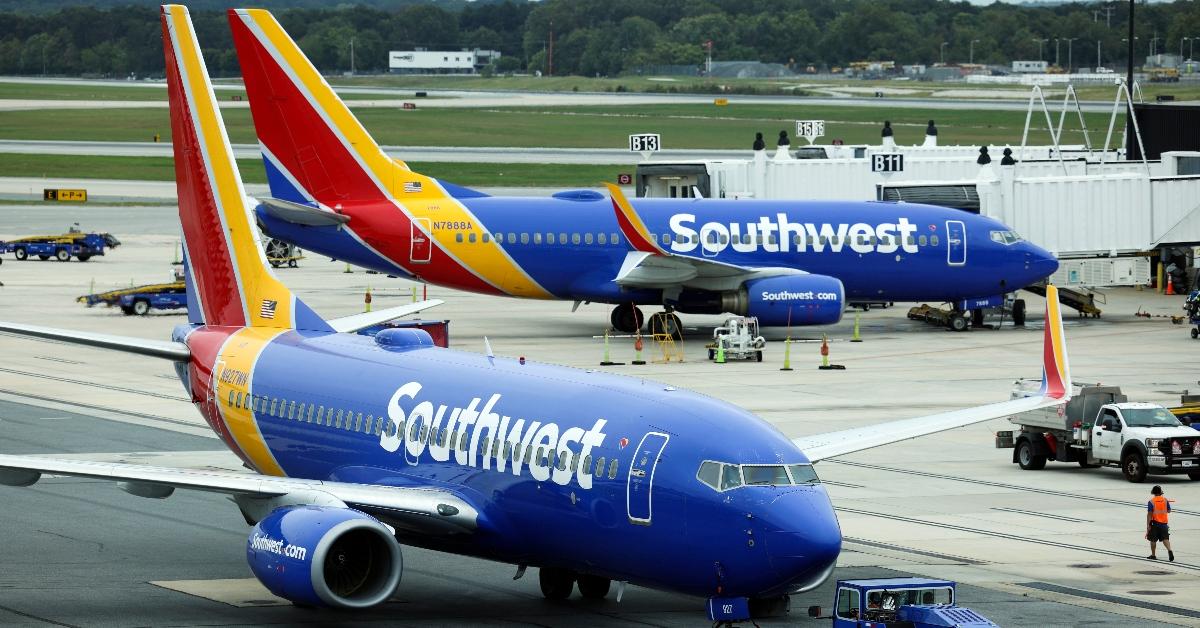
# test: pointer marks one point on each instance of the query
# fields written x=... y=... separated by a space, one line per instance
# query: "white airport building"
x=422 y=61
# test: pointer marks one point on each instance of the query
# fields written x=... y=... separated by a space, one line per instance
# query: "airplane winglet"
x=1056 y=369
x=631 y=224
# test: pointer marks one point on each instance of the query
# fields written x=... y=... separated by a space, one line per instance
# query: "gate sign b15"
x=887 y=162
x=644 y=143
x=810 y=129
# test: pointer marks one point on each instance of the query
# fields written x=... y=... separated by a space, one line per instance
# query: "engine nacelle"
x=776 y=301
x=320 y=556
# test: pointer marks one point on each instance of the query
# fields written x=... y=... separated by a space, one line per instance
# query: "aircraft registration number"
x=452 y=225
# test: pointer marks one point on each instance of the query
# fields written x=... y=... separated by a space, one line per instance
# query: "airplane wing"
x=1055 y=391
x=425 y=509
x=650 y=265
x=356 y=322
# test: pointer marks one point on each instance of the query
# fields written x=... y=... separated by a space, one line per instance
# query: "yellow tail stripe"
x=235 y=383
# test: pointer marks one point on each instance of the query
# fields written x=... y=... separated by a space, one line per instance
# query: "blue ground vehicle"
x=74 y=243
x=141 y=299
x=901 y=602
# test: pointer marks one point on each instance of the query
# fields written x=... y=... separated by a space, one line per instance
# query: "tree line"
x=609 y=37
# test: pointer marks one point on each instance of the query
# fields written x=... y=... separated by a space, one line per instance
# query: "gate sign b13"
x=644 y=143
x=887 y=162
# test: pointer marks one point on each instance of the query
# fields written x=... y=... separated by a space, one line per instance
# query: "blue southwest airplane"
x=334 y=191
x=359 y=444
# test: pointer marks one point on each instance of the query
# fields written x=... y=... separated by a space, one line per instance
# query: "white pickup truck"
x=1100 y=427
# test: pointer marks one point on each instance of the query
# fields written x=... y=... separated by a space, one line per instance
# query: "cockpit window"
x=765 y=475
x=723 y=476
x=731 y=476
x=803 y=474
x=1005 y=237
x=710 y=474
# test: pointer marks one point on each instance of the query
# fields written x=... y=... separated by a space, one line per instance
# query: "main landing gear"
x=627 y=318
x=558 y=583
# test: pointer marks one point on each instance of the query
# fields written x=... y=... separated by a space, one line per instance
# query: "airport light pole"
x=943 y=52
x=1181 y=40
x=1070 y=65
x=1099 y=60
x=351 y=55
x=971 y=57
x=1040 y=41
x=1056 y=57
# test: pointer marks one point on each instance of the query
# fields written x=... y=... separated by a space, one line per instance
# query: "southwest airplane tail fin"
x=1056 y=367
x=316 y=151
x=229 y=282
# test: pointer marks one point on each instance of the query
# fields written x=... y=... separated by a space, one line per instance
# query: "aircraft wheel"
x=1018 y=312
x=1195 y=332
x=141 y=307
x=959 y=322
x=556 y=583
x=594 y=587
x=626 y=318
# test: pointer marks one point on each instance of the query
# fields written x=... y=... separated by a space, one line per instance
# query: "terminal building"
x=423 y=61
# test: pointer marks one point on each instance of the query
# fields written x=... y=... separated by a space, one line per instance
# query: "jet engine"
x=776 y=301
x=321 y=556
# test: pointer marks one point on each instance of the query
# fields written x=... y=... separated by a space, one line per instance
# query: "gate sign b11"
x=887 y=162
x=810 y=129
x=644 y=143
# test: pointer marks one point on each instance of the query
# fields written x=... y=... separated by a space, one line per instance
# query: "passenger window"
x=549 y=238
x=390 y=429
x=320 y=415
x=441 y=438
x=291 y=409
x=731 y=476
x=496 y=449
x=238 y=401
x=507 y=451
x=358 y=423
x=528 y=455
x=378 y=426
x=512 y=238
x=612 y=470
x=525 y=238
x=587 y=465
x=462 y=441
x=797 y=239
x=423 y=433
x=549 y=462
x=613 y=238
x=562 y=238
x=587 y=238
x=910 y=240
x=922 y=241
x=933 y=240
x=311 y=407
x=516 y=452
x=413 y=429
x=458 y=237
x=483 y=446
x=337 y=422
x=538 y=456
x=562 y=462
x=600 y=466
x=488 y=238
x=471 y=237
x=710 y=474
x=603 y=238
x=230 y=402
x=274 y=403
x=773 y=239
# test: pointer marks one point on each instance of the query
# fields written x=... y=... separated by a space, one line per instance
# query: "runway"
x=1057 y=547
x=597 y=156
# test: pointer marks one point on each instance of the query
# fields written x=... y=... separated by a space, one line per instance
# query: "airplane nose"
x=806 y=553
x=1041 y=263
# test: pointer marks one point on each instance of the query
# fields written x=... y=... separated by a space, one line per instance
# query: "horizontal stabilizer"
x=167 y=349
x=301 y=214
x=356 y=322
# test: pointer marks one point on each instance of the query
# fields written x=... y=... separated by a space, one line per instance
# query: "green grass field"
x=697 y=126
x=163 y=169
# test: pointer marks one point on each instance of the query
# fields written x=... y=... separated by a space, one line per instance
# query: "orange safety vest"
x=1159 y=513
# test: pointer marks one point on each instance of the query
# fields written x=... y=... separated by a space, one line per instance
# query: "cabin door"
x=641 y=477
x=956 y=242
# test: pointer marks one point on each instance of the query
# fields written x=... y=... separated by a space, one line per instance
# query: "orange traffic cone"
x=1170 y=285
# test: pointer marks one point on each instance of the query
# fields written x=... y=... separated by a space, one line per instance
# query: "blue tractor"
x=901 y=602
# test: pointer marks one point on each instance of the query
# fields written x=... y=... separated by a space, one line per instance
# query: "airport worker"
x=759 y=143
x=1157 y=510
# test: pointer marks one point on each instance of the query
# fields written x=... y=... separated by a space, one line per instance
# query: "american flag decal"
x=268 y=309
x=412 y=186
